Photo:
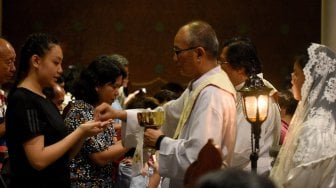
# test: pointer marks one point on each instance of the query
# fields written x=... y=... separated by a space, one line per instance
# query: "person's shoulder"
x=217 y=92
x=18 y=93
x=82 y=105
x=22 y=96
x=78 y=109
x=215 y=97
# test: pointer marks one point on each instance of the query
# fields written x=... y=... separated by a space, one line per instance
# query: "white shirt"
x=213 y=116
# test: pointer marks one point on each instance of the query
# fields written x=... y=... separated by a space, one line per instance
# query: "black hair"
x=241 y=53
x=142 y=101
x=287 y=101
x=302 y=60
x=101 y=71
x=165 y=95
x=121 y=59
x=70 y=75
x=117 y=62
x=174 y=87
x=36 y=44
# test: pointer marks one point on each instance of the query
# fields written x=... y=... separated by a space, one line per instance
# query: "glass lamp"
x=255 y=97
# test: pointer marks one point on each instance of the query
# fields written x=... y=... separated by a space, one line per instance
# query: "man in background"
x=7 y=72
x=239 y=59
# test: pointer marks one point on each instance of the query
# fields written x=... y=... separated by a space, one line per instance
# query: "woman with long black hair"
x=38 y=144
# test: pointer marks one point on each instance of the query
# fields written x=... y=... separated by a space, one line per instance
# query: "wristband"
x=158 y=142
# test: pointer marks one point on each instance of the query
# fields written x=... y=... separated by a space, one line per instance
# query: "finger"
x=96 y=114
x=145 y=139
x=103 y=126
x=150 y=163
x=108 y=122
x=99 y=110
x=100 y=128
x=89 y=122
x=103 y=117
x=147 y=131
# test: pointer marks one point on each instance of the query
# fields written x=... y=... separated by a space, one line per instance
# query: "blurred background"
x=143 y=31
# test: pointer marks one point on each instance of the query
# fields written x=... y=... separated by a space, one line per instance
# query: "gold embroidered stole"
x=220 y=80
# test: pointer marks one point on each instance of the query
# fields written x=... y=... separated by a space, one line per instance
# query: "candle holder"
x=255 y=97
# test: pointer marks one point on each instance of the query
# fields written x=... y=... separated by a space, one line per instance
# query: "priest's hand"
x=151 y=137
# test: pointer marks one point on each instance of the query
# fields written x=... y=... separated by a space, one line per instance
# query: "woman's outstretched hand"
x=91 y=128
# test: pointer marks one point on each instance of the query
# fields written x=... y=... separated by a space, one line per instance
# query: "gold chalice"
x=153 y=120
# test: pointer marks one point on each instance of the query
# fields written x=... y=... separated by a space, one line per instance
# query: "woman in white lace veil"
x=308 y=156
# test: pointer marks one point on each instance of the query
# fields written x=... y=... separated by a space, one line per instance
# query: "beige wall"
x=328 y=23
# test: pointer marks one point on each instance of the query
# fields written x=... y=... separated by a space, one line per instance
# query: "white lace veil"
x=308 y=156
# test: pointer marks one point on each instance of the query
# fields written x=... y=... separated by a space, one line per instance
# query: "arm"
x=100 y=149
x=213 y=116
x=76 y=148
x=112 y=153
x=117 y=127
x=40 y=156
x=155 y=178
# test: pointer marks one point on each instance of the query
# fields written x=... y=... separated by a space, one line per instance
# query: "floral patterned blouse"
x=83 y=171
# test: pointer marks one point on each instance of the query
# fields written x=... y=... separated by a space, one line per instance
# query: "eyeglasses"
x=9 y=61
x=177 y=51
